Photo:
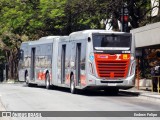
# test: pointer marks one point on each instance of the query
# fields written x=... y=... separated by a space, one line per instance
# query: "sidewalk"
x=145 y=93
x=10 y=81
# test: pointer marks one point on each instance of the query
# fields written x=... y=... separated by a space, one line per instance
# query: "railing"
x=158 y=85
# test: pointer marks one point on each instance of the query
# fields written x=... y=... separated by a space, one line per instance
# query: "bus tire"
x=72 y=85
x=27 y=79
x=47 y=81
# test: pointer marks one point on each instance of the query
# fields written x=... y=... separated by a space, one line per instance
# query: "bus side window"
x=21 y=54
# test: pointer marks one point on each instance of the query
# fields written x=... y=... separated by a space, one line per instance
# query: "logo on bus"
x=118 y=55
x=91 y=58
x=125 y=56
x=103 y=56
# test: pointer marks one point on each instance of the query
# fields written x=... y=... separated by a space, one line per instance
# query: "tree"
x=36 y=18
x=53 y=16
x=29 y=19
x=82 y=14
x=9 y=44
x=13 y=20
x=139 y=12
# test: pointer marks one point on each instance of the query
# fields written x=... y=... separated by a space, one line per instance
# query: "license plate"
x=112 y=84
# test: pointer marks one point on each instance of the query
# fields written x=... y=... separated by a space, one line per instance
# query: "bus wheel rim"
x=47 y=82
x=72 y=86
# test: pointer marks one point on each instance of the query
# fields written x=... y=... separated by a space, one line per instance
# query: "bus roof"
x=47 y=39
x=64 y=38
x=86 y=33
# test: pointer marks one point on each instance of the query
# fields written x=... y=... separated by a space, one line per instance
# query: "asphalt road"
x=19 y=97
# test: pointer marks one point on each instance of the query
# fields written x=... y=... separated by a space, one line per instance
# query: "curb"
x=10 y=82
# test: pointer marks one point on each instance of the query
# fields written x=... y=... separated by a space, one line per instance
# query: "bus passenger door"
x=33 y=50
x=77 y=63
x=63 y=59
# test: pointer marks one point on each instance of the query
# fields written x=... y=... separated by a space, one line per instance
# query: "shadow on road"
x=91 y=92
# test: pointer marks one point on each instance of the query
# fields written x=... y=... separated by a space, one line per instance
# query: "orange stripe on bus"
x=41 y=76
x=83 y=79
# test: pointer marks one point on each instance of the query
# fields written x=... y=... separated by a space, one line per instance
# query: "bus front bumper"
x=126 y=83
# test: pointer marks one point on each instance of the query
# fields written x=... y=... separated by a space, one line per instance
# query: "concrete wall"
x=147 y=35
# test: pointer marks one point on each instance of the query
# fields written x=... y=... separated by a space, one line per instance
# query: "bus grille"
x=112 y=69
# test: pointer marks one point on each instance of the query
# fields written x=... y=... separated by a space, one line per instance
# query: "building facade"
x=147 y=41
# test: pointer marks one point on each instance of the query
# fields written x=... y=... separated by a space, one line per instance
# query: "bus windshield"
x=111 y=41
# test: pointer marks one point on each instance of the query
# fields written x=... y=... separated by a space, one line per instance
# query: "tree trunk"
x=12 y=65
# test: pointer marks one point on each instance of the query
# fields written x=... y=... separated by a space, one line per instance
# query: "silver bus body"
x=81 y=57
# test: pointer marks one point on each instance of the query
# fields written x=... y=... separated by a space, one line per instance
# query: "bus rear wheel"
x=27 y=79
x=47 y=81
x=72 y=85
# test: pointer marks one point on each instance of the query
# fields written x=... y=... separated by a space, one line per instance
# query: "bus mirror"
x=89 y=39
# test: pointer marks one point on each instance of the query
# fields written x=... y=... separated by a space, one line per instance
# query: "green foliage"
x=23 y=20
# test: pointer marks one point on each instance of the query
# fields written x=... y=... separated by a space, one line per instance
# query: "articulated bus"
x=89 y=59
